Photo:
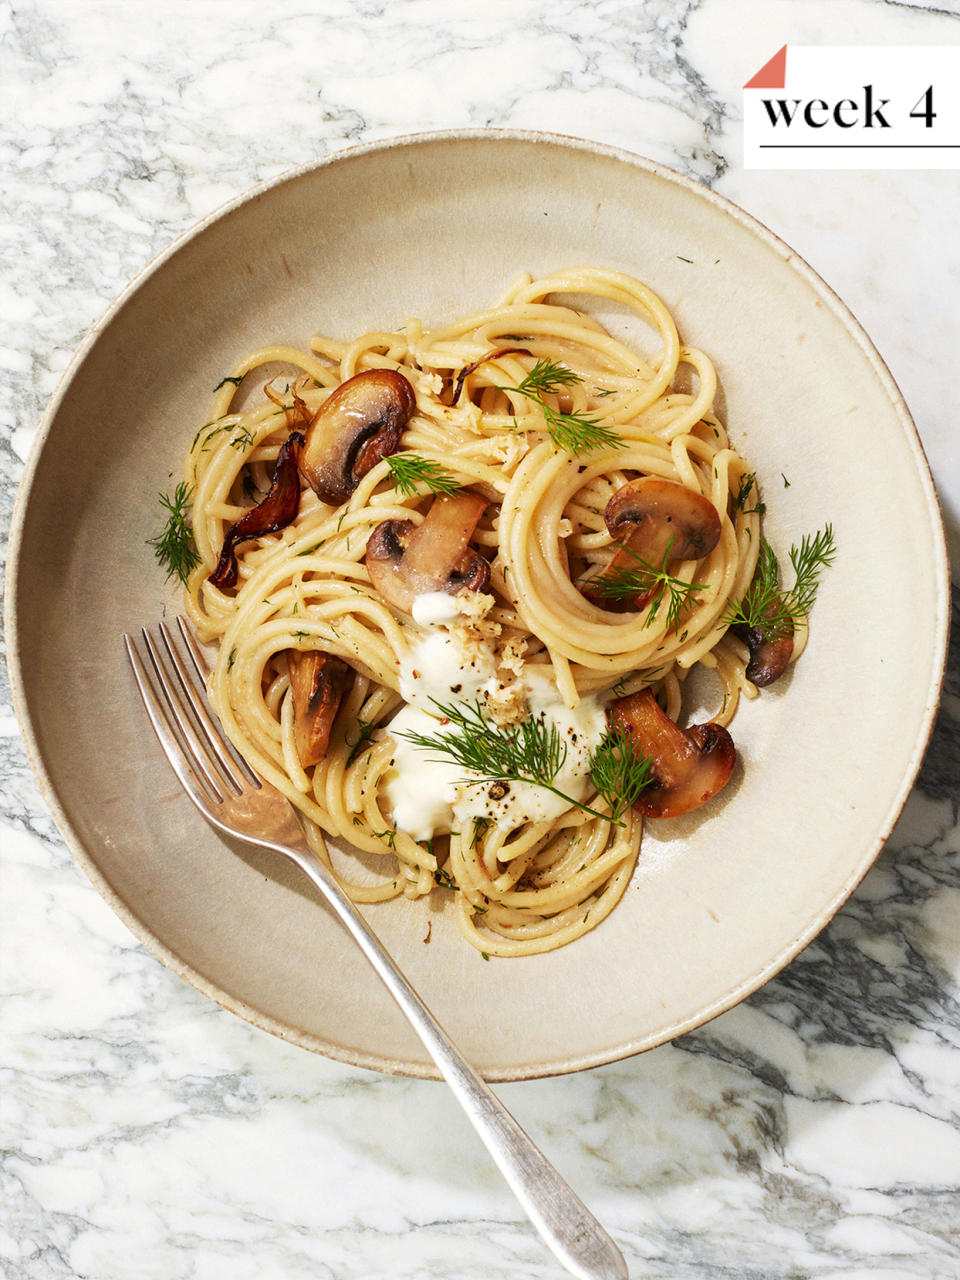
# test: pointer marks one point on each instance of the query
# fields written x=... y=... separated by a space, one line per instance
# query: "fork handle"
x=561 y=1217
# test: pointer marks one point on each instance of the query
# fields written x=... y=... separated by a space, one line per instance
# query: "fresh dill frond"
x=174 y=546
x=443 y=878
x=578 y=432
x=815 y=553
x=532 y=752
x=548 y=377
x=575 y=432
x=620 y=771
x=768 y=608
x=623 y=581
x=243 y=438
x=235 y=379
x=408 y=470
x=747 y=483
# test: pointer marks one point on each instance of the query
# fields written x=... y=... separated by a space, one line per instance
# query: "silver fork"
x=238 y=803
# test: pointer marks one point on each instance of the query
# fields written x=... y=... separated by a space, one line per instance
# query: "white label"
x=854 y=107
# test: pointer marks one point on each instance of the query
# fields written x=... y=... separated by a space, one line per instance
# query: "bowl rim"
x=872 y=848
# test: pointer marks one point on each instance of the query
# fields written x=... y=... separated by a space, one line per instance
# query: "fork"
x=240 y=804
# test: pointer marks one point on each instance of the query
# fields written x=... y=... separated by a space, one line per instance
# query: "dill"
x=547 y=377
x=236 y=380
x=620 y=771
x=747 y=483
x=174 y=546
x=443 y=878
x=532 y=752
x=242 y=439
x=365 y=730
x=575 y=432
x=218 y=425
x=765 y=605
x=408 y=470
x=480 y=826
x=623 y=581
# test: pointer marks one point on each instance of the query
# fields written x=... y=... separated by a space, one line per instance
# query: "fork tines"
x=207 y=766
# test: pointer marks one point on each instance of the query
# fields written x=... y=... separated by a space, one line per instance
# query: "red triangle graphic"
x=773 y=75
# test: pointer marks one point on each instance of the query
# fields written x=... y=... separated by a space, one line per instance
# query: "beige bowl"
x=433 y=226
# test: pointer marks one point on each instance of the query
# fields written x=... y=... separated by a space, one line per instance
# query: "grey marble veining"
x=811 y=1132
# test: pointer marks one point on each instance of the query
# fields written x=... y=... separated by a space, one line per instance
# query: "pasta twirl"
x=530 y=871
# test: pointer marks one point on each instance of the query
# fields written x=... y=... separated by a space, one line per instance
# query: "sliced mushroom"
x=318 y=683
x=689 y=765
x=360 y=423
x=405 y=560
x=278 y=509
x=658 y=522
x=770 y=652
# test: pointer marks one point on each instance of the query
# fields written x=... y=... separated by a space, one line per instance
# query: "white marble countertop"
x=812 y=1131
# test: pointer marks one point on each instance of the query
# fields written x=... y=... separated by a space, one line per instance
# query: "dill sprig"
x=623 y=581
x=532 y=751
x=547 y=377
x=620 y=771
x=408 y=470
x=575 y=432
x=746 y=486
x=174 y=546
x=765 y=605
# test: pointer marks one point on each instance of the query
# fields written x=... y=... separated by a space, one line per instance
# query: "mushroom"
x=689 y=765
x=658 y=522
x=318 y=682
x=356 y=426
x=770 y=651
x=406 y=560
x=278 y=509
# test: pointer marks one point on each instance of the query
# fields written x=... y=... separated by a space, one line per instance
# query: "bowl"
x=435 y=226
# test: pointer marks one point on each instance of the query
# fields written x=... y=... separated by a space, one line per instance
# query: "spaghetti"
x=543 y=417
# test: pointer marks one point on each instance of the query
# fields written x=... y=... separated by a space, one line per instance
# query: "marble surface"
x=811 y=1132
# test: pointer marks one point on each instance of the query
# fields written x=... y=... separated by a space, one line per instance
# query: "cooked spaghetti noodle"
x=536 y=875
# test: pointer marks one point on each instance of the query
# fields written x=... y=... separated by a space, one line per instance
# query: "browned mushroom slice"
x=278 y=509
x=360 y=423
x=658 y=522
x=689 y=765
x=318 y=682
x=770 y=652
x=405 y=560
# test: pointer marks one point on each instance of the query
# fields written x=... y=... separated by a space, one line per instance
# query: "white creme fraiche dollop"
x=431 y=795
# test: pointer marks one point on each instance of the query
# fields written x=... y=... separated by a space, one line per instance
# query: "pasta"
x=497 y=395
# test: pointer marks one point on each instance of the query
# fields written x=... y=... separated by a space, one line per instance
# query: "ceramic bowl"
x=435 y=226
